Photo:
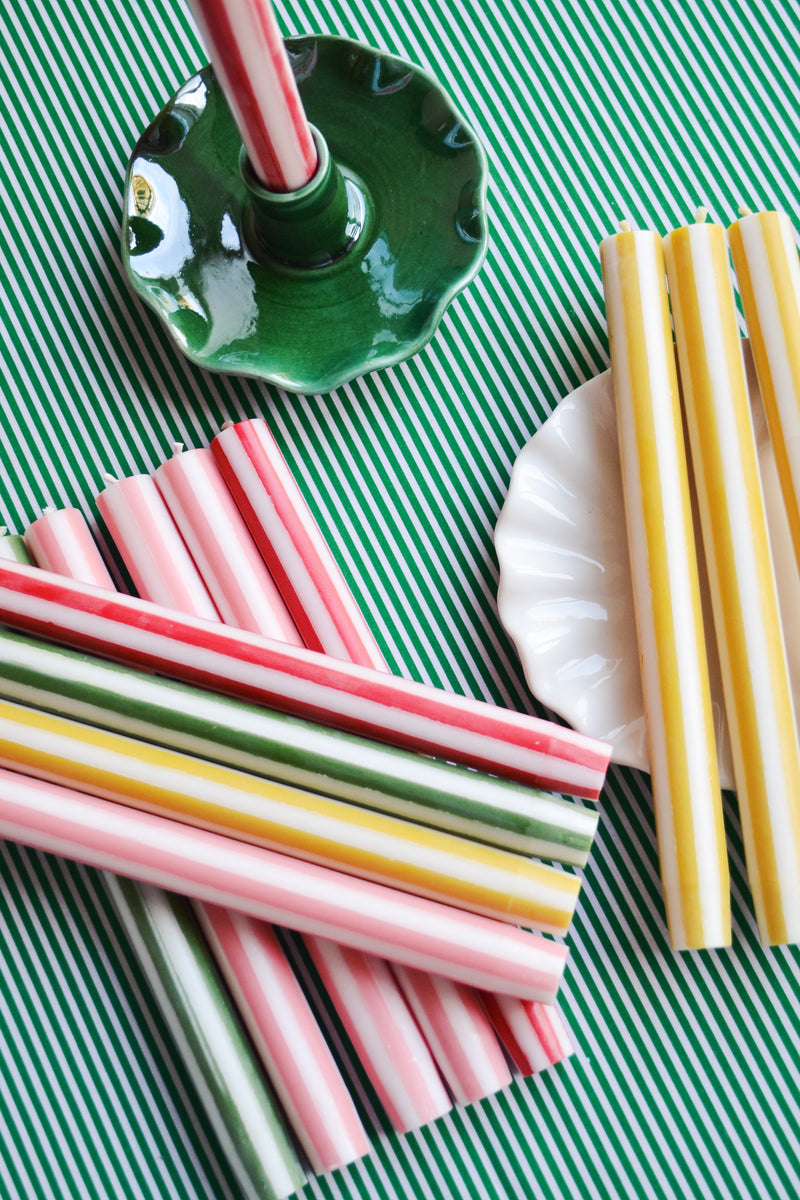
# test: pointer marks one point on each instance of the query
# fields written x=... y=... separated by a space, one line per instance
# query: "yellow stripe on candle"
x=680 y=733
x=768 y=272
x=758 y=698
x=360 y=841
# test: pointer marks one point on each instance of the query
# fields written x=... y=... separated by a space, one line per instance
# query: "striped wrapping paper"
x=686 y=1082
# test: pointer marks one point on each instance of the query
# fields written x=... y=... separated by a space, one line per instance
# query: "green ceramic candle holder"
x=350 y=273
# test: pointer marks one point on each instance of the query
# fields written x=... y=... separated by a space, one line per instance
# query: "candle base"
x=309 y=289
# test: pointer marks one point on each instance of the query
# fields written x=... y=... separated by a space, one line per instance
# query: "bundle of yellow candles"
x=704 y=368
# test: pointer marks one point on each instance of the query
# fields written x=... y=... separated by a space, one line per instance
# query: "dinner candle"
x=768 y=272
x=302 y=682
x=406 y=1071
x=329 y=618
x=286 y=1034
x=383 y=1032
x=456 y=1028
x=12 y=546
x=213 y=1046
x=178 y=962
x=666 y=589
x=252 y=66
x=220 y=544
x=290 y=541
x=534 y=1035
x=758 y=697
x=137 y=518
x=61 y=541
x=505 y=886
x=285 y=891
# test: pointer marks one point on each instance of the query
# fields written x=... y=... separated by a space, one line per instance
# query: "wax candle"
x=383 y=1032
x=213 y=1046
x=12 y=546
x=758 y=698
x=666 y=589
x=219 y=542
x=316 y=828
x=534 y=1035
x=768 y=272
x=251 y=64
x=307 y=684
x=290 y=541
x=285 y=1032
x=407 y=1070
x=328 y=618
x=455 y=1026
x=61 y=541
x=286 y=891
x=138 y=519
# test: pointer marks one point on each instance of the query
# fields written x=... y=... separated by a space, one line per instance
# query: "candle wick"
x=744 y=211
x=49 y=508
x=109 y=478
x=3 y=530
x=701 y=215
x=227 y=425
x=624 y=226
x=177 y=447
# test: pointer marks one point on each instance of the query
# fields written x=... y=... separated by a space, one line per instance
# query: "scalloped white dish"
x=565 y=593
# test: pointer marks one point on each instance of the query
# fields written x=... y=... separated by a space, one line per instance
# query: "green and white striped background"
x=686 y=1083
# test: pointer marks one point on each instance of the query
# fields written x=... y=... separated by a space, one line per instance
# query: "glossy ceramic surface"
x=348 y=277
x=565 y=593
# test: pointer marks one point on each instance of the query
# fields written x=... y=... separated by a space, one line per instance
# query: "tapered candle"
x=137 y=518
x=315 y=828
x=285 y=1032
x=252 y=66
x=12 y=546
x=213 y=1045
x=758 y=698
x=383 y=1032
x=286 y=891
x=397 y=1063
x=290 y=541
x=61 y=541
x=534 y=1035
x=768 y=272
x=245 y=950
x=669 y=620
x=302 y=682
x=456 y=1028
x=220 y=544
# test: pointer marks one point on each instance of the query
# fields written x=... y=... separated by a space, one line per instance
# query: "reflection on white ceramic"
x=565 y=592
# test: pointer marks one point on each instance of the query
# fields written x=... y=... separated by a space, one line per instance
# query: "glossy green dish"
x=350 y=274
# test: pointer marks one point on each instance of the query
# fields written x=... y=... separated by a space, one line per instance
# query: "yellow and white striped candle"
x=758 y=698
x=768 y=271
x=669 y=624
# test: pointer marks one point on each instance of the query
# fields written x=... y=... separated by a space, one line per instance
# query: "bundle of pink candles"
x=224 y=536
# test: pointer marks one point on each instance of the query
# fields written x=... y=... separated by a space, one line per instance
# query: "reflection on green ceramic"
x=349 y=274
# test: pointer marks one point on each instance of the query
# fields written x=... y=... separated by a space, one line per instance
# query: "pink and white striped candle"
x=61 y=541
x=253 y=69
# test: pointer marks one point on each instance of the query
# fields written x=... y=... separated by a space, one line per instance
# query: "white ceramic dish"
x=565 y=593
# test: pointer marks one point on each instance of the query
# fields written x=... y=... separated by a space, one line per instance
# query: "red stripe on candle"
x=304 y=683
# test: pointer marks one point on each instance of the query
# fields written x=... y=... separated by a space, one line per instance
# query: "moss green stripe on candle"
x=12 y=546
x=204 y=1023
x=314 y=828
x=294 y=751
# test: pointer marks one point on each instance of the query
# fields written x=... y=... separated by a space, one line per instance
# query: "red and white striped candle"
x=253 y=69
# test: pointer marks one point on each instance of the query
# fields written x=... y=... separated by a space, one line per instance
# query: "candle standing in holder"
x=666 y=589
x=251 y=64
x=768 y=271
x=755 y=679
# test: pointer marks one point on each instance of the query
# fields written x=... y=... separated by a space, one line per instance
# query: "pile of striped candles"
x=274 y=772
x=700 y=380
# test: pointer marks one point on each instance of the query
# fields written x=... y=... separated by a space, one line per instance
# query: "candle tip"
x=177 y=447
x=744 y=211
x=109 y=478
x=624 y=226
x=3 y=530
x=701 y=215
x=227 y=425
x=48 y=508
